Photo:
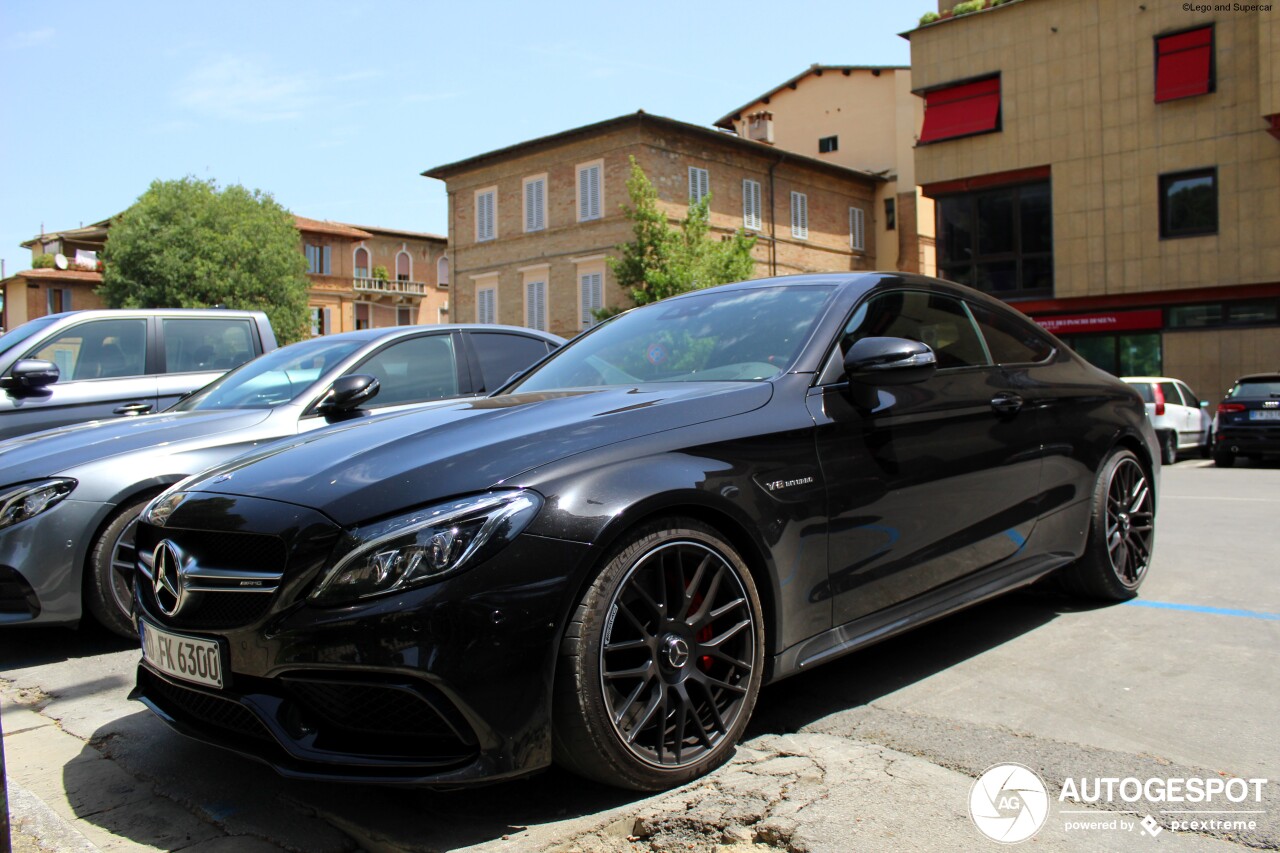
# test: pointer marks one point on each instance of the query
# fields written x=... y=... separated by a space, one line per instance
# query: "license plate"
x=1259 y=415
x=188 y=658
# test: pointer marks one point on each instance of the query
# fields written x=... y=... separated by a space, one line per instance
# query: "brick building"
x=345 y=264
x=864 y=117
x=1113 y=168
x=531 y=225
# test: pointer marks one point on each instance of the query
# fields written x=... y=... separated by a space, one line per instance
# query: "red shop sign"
x=1114 y=321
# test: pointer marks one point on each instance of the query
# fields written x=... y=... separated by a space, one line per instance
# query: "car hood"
x=54 y=451
x=375 y=467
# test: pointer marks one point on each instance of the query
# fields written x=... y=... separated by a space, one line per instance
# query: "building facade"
x=361 y=276
x=1113 y=169
x=531 y=226
x=364 y=277
x=864 y=117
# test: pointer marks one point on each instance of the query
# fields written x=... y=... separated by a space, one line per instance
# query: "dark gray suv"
x=89 y=365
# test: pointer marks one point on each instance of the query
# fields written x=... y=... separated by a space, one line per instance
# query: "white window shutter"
x=751 y=205
x=592 y=295
x=799 y=216
x=857 y=230
x=540 y=203
x=327 y=257
x=595 y=192
x=529 y=215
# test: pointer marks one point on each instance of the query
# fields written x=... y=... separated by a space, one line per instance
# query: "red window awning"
x=1184 y=64
x=961 y=110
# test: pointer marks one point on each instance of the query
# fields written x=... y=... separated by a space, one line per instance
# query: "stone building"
x=864 y=117
x=1113 y=169
x=531 y=225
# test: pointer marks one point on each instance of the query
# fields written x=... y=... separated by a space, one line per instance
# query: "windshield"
x=1257 y=388
x=719 y=335
x=273 y=379
x=13 y=337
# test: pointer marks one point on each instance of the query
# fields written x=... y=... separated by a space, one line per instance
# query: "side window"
x=1010 y=340
x=1170 y=392
x=502 y=355
x=931 y=318
x=1145 y=392
x=101 y=349
x=200 y=344
x=412 y=371
x=1187 y=397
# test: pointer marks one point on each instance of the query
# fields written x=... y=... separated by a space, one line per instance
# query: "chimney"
x=760 y=126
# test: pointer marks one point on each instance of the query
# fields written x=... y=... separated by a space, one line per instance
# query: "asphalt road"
x=878 y=750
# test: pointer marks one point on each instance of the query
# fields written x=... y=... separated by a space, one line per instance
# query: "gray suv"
x=90 y=365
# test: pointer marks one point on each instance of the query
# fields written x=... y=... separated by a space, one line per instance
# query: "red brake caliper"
x=704 y=662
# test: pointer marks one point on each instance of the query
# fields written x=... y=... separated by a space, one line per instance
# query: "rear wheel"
x=1169 y=447
x=108 y=588
x=1224 y=459
x=661 y=664
x=1121 y=533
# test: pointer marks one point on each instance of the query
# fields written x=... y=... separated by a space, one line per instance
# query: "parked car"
x=85 y=365
x=70 y=497
x=1248 y=420
x=1181 y=419
x=604 y=562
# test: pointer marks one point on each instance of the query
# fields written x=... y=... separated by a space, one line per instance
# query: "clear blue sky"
x=336 y=107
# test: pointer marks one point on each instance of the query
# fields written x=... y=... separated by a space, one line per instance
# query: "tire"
x=108 y=583
x=661 y=664
x=1224 y=459
x=1117 y=553
x=1169 y=447
x=1206 y=449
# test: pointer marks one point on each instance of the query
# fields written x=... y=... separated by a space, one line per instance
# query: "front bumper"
x=442 y=685
x=42 y=563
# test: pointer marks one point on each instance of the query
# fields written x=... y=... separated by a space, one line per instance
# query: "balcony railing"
x=382 y=285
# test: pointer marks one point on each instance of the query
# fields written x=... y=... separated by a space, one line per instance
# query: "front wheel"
x=1117 y=553
x=661 y=664
x=108 y=583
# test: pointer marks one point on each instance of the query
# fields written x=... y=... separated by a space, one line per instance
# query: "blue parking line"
x=1196 y=608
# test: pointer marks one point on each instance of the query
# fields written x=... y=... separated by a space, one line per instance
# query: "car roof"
x=1260 y=377
x=397 y=331
x=1150 y=379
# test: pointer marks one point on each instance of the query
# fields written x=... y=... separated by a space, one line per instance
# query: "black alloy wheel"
x=1121 y=534
x=666 y=663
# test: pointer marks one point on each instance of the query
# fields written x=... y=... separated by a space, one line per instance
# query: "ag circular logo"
x=1008 y=803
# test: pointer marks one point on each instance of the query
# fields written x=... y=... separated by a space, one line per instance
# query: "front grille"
x=196 y=706
x=231 y=552
x=211 y=610
x=17 y=598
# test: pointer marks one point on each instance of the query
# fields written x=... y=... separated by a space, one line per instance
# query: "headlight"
x=22 y=502
x=425 y=545
x=158 y=511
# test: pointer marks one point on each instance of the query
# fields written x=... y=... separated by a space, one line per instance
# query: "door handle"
x=1006 y=404
x=133 y=409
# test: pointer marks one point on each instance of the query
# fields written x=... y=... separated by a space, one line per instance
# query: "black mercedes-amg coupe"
x=603 y=563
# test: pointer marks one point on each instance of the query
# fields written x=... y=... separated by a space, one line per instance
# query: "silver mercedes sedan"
x=70 y=497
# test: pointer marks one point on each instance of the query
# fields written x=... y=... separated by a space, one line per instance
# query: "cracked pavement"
x=876 y=751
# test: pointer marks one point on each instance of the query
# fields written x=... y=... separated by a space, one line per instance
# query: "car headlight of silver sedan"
x=428 y=544
x=30 y=499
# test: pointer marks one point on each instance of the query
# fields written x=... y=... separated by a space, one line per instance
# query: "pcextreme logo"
x=1008 y=803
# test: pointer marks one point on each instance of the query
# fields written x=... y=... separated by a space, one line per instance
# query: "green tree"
x=662 y=261
x=189 y=244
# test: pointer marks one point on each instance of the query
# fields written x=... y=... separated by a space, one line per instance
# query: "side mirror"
x=889 y=361
x=1204 y=404
x=349 y=393
x=30 y=373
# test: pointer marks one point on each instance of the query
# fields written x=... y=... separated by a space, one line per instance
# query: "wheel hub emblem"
x=167 y=582
x=677 y=651
x=1124 y=521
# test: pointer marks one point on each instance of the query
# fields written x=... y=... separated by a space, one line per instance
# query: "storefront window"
x=1137 y=354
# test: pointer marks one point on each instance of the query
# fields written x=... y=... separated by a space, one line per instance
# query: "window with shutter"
x=487 y=305
x=592 y=285
x=535 y=210
x=486 y=215
x=961 y=110
x=1184 y=64
x=699 y=184
x=589 y=192
x=799 y=216
x=857 y=231
x=751 y=218
x=535 y=305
